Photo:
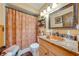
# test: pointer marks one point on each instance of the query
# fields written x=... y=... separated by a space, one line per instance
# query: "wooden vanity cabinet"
x=49 y=49
x=44 y=49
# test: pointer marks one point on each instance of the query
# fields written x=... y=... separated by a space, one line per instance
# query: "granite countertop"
x=67 y=44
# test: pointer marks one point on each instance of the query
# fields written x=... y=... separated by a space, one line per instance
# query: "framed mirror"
x=63 y=17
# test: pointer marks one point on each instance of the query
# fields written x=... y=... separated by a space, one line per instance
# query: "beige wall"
x=1 y=14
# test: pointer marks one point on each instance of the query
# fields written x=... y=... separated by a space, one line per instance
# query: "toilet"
x=34 y=49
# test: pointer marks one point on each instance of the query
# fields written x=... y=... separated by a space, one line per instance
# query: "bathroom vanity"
x=49 y=47
x=63 y=22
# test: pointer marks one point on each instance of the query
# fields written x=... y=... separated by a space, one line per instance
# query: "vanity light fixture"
x=44 y=11
x=48 y=9
x=41 y=14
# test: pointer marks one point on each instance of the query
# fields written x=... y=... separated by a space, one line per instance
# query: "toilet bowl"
x=34 y=49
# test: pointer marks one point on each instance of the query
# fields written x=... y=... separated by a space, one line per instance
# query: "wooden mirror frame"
x=75 y=16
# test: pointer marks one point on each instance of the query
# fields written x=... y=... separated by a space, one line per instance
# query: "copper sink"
x=56 y=38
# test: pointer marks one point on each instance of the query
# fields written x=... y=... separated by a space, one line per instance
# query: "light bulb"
x=54 y=5
x=44 y=11
x=41 y=14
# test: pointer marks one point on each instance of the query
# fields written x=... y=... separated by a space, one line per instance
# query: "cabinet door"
x=58 y=51
x=46 y=45
x=43 y=51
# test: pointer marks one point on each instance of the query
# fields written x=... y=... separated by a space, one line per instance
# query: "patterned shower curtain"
x=25 y=31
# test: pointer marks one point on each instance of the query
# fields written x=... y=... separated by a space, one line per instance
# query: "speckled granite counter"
x=67 y=44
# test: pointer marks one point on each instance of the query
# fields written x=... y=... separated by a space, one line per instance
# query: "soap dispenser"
x=68 y=35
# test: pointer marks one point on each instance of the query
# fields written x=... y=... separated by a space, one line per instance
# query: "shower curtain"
x=20 y=28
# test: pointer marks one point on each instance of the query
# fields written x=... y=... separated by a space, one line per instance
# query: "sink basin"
x=56 y=38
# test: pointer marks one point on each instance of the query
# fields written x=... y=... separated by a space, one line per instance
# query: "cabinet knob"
x=45 y=53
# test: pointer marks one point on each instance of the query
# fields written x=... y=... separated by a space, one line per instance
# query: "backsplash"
x=69 y=34
x=63 y=31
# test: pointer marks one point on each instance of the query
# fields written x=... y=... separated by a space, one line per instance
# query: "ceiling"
x=31 y=7
x=36 y=6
